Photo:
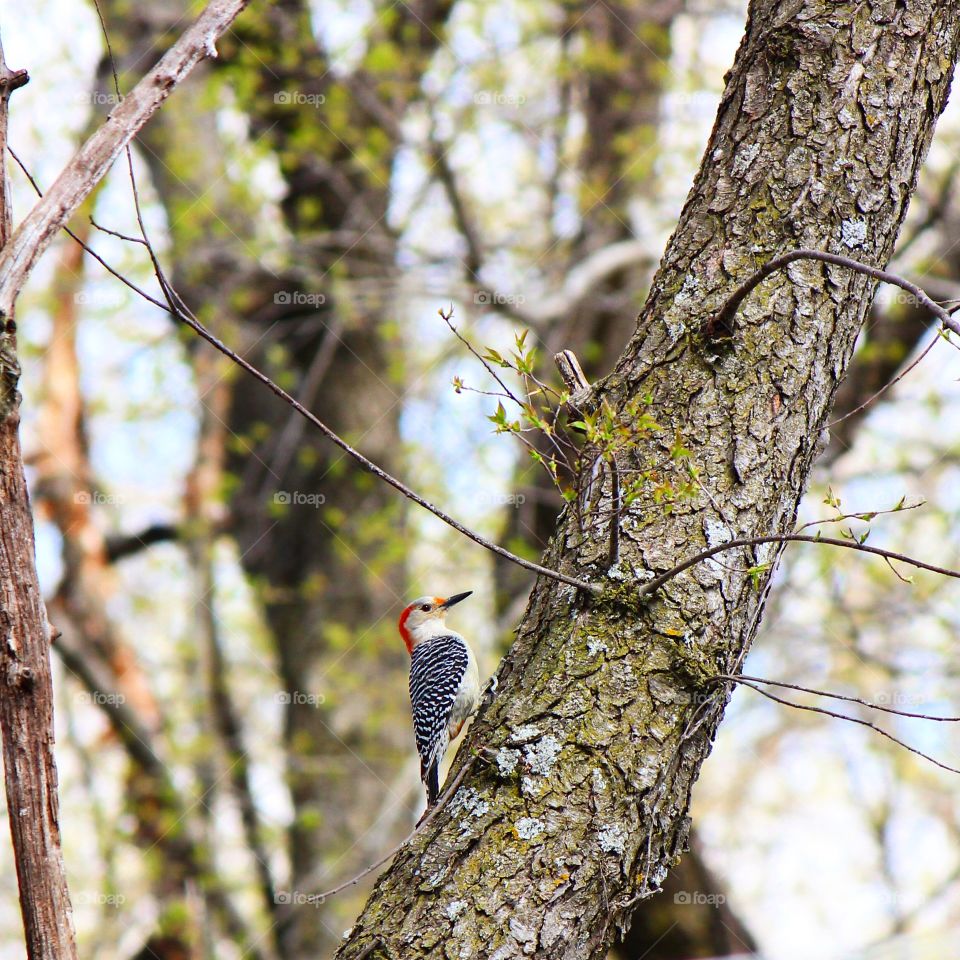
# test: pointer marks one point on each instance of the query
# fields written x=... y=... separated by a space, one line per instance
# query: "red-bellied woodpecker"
x=444 y=683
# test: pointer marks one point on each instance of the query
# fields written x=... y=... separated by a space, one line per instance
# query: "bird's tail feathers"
x=432 y=780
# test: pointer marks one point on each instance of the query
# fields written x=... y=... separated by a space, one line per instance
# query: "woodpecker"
x=444 y=682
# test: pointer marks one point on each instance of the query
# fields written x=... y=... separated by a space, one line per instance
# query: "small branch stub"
x=572 y=375
x=11 y=80
x=576 y=382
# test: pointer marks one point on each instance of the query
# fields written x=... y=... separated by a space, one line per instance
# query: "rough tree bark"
x=606 y=708
x=26 y=688
x=619 y=83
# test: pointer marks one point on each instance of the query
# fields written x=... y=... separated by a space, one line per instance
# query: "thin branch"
x=586 y=276
x=844 y=716
x=93 y=253
x=116 y=233
x=369 y=465
x=892 y=383
x=126 y=545
x=287 y=442
x=723 y=319
x=651 y=585
x=417 y=830
x=139 y=743
x=461 y=217
x=896 y=572
x=865 y=515
x=96 y=156
x=935 y=210
x=447 y=317
x=183 y=315
x=837 y=696
x=226 y=717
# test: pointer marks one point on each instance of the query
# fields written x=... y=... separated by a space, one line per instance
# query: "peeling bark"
x=606 y=708
x=26 y=698
x=26 y=689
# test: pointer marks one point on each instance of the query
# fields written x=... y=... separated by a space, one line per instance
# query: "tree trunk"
x=606 y=707
x=26 y=689
x=621 y=96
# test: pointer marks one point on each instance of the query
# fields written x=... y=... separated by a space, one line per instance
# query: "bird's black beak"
x=456 y=598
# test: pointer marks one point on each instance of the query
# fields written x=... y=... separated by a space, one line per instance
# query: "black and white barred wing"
x=437 y=668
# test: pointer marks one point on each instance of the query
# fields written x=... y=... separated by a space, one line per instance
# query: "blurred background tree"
x=231 y=582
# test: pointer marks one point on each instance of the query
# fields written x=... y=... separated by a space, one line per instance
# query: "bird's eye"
x=425 y=608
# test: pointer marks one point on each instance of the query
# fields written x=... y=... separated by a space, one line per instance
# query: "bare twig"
x=90 y=251
x=844 y=716
x=417 y=830
x=837 y=696
x=891 y=383
x=585 y=276
x=651 y=585
x=107 y=230
x=287 y=443
x=447 y=317
x=723 y=319
x=140 y=745
x=865 y=515
x=120 y=546
x=935 y=210
x=179 y=312
x=461 y=216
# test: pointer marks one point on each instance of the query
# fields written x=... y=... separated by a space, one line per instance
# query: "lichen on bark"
x=605 y=706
